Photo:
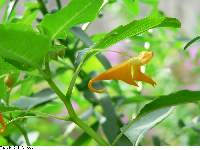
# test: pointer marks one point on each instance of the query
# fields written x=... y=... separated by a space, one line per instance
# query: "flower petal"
x=129 y=72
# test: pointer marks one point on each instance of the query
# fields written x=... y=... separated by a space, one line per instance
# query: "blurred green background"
x=172 y=68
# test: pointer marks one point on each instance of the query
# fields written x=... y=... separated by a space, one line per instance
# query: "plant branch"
x=72 y=114
x=18 y=126
x=39 y=115
x=24 y=134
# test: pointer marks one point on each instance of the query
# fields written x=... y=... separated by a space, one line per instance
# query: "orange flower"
x=128 y=71
x=2 y=123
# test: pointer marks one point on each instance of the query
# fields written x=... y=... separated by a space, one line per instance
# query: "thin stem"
x=18 y=126
x=72 y=114
x=41 y=115
x=24 y=134
x=10 y=9
x=58 y=4
x=11 y=141
x=43 y=7
x=117 y=138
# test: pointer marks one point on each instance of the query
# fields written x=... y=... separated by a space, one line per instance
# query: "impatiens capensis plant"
x=66 y=81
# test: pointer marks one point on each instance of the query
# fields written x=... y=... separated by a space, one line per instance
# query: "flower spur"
x=128 y=71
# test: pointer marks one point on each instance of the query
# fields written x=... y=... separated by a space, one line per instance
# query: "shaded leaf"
x=134 y=28
x=42 y=97
x=76 y=12
x=156 y=141
x=4 y=108
x=88 y=42
x=111 y=126
x=82 y=36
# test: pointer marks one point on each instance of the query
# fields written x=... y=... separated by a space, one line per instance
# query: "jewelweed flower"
x=128 y=71
x=2 y=123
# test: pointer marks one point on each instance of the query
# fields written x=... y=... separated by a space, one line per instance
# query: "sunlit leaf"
x=134 y=28
x=31 y=12
x=76 y=12
x=5 y=67
x=133 y=6
x=22 y=46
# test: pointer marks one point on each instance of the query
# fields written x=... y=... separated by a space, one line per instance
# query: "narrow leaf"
x=76 y=12
x=134 y=28
x=155 y=111
x=138 y=128
x=191 y=42
x=111 y=126
x=40 y=98
x=88 y=42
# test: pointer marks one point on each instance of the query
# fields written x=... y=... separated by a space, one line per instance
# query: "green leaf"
x=138 y=128
x=31 y=12
x=134 y=28
x=191 y=42
x=3 y=89
x=111 y=126
x=150 y=1
x=76 y=12
x=155 y=111
x=22 y=46
x=4 y=108
x=133 y=6
x=40 y=98
x=78 y=32
x=6 y=67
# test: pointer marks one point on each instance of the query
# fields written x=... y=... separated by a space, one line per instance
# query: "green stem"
x=18 y=126
x=39 y=115
x=11 y=8
x=117 y=139
x=24 y=134
x=58 y=4
x=42 y=7
x=72 y=114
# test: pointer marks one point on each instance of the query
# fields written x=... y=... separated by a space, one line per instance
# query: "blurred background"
x=172 y=68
